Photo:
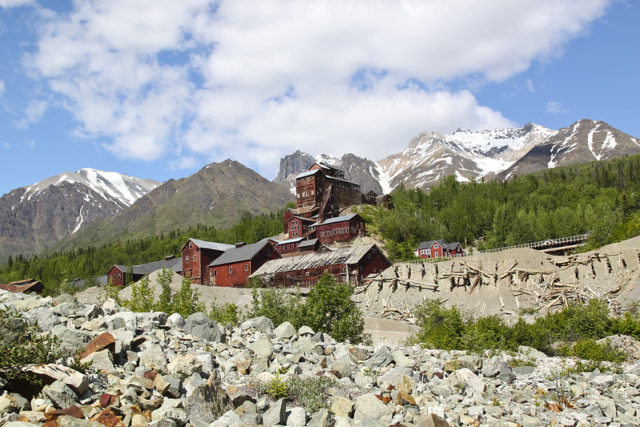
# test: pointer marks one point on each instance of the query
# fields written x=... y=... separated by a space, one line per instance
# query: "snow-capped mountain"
x=46 y=212
x=466 y=154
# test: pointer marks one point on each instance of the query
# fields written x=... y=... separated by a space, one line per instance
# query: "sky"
x=159 y=88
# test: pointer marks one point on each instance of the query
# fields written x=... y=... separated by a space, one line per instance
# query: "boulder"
x=74 y=379
x=201 y=326
x=209 y=401
x=184 y=365
x=261 y=323
x=101 y=342
x=369 y=406
x=262 y=348
x=277 y=414
x=284 y=330
x=465 y=377
x=342 y=407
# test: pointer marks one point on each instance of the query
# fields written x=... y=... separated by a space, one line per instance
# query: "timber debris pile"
x=507 y=283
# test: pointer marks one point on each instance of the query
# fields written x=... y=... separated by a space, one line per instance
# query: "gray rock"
x=123 y=320
x=284 y=330
x=305 y=331
x=320 y=419
x=201 y=326
x=393 y=377
x=74 y=379
x=297 y=417
x=431 y=420
x=184 y=366
x=277 y=414
x=71 y=339
x=170 y=410
x=8 y=404
x=176 y=320
x=603 y=380
x=261 y=323
x=342 y=366
x=523 y=370
x=401 y=360
x=492 y=367
x=342 y=407
x=101 y=360
x=153 y=357
x=381 y=358
x=369 y=406
x=91 y=311
x=465 y=377
x=229 y=418
x=262 y=348
x=208 y=402
x=531 y=352
x=60 y=394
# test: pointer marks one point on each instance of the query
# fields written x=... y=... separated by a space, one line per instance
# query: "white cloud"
x=554 y=107
x=32 y=113
x=15 y=3
x=275 y=76
x=1 y=87
x=529 y=85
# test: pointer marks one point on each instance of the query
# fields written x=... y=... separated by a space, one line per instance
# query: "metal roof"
x=336 y=219
x=308 y=242
x=243 y=253
x=294 y=240
x=174 y=264
x=203 y=244
x=307 y=173
x=445 y=245
x=348 y=255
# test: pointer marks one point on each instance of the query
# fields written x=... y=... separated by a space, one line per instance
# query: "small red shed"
x=234 y=266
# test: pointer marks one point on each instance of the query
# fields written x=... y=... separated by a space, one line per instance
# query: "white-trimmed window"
x=230 y=270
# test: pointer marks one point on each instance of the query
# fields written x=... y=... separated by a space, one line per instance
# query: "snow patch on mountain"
x=121 y=189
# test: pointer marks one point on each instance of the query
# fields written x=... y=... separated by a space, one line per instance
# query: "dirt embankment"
x=508 y=283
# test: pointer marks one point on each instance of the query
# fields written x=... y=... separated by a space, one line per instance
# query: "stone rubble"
x=151 y=369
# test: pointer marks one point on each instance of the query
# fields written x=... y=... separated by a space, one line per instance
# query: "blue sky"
x=159 y=95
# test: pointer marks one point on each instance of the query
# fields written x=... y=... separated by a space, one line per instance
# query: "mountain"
x=218 y=194
x=583 y=141
x=356 y=169
x=486 y=154
x=37 y=216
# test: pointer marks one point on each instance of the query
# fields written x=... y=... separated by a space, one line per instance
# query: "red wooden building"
x=298 y=226
x=438 y=249
x=349 y=264
x=196 y=257
x=234 y=266
x=121 y=275
x=339 y=229
x=288 y=247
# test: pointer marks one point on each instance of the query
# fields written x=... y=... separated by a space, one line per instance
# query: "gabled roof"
x=174 y=264
x=24 y=286
x=337 y=219
x=308 y=243
x=328 y=166
x=302 y=218
x=307 y=173
x=203 y=244
x=445 y=245
x=348 y=255
x=243 y=253
x=294 y=240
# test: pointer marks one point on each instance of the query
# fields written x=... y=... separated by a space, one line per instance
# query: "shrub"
x=328 y=308
x=186 y=301
x=311 y=393
x=21 y=345
x=439 y=327
x=277 y=388
x=488 y=333
x=589 y=349
x=226 y=314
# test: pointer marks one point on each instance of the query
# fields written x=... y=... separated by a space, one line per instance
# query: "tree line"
x=602 y=198
x=88 y=262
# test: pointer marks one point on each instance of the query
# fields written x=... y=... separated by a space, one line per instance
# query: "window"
x=190 y=245
x=194 y=257
x=215 y=273
x=230 y=270
x=119 y=275
x=246 y=267
x=186 y=259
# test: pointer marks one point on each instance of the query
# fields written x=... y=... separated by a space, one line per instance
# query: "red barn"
x=339 y=229
x=438 y=249
x=196 y=257
x=234 y=266
x=121 y=275
x=349 y=264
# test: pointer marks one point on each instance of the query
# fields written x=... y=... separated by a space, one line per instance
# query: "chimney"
x=240 y=244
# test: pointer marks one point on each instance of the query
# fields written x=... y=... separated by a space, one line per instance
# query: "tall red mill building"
x=196 y=257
